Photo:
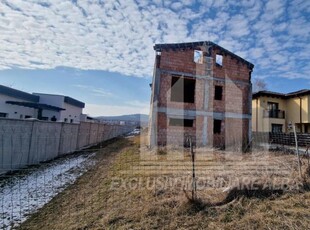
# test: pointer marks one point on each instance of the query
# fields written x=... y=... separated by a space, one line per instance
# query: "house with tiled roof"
x=277 y=112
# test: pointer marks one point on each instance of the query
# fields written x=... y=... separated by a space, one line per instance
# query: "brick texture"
x=233 y=109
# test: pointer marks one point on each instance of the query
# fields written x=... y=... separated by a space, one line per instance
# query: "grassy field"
x=131 y=187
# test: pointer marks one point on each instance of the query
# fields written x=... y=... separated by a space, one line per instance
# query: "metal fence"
x=284 y=139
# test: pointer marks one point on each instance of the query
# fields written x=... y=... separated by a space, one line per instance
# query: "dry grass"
x=145 y=203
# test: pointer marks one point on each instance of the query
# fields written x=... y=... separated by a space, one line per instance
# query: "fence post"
x=194 y=186
x=297 y=150
x=30 y=143
x=61 y=136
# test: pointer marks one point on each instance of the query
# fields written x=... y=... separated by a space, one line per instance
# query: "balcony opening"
x=218 y=92
x=217 y=124
x=183 y=89
x=273 y=111
x=181 y=122
x=273 y=106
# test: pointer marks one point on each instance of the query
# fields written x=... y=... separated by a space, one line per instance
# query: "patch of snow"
x=22 y=195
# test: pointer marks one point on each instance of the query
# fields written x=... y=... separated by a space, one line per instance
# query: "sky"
x=101 y=52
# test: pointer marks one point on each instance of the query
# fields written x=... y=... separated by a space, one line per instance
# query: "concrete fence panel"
x=106 y=132
x=24 y=143
x=14 y=144
x=93 y=133
x=115 y=130
x=83 y=135
x=101 y=133
x=69 y=138
x=45 y=140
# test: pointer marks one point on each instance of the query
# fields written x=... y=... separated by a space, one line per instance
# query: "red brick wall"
x=232 y=68
x=235 y=98
x=161 y=129
x=165 y=94
x=216 y=140
x=234 y=133
x=183 y=61
x=178 y=60
x=175 y=134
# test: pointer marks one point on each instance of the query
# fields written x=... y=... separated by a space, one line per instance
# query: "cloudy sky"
x=101 y=51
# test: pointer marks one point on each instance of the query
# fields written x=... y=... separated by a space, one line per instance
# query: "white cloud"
x=95 y=91
x=115 y=110
x=176 y=6
x=238 y=26
x=256 y=53
x=119 y=36
x=139 y=104
x=274 y=9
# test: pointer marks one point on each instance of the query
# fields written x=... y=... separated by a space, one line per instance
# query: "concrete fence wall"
x=25 y=142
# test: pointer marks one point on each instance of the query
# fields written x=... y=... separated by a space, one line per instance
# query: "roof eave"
x=160 y=47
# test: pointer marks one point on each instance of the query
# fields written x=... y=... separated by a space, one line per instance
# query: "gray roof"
x=18 y=94
x=67 y=99
x=35 y=105
x=74 y=102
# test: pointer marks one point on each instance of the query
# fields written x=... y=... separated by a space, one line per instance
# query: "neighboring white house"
x=86 y=118
x=21 y=105
x=72 y=108
x=8 y=110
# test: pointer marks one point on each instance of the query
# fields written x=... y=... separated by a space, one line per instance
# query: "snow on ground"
x=23 y=194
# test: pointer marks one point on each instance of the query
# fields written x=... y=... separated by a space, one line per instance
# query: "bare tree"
x=259 y=85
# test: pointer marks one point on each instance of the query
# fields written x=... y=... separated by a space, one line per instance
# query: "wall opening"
x=181 y=122
x=183 y=89
x=219 y=60
x=217 y=124
x=198 y=56
x=218 y=92
x=3 y=114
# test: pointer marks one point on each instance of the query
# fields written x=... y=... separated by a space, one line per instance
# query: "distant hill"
x=132 y=117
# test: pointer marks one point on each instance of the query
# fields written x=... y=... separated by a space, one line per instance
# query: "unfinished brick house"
x=203 y=91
